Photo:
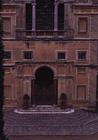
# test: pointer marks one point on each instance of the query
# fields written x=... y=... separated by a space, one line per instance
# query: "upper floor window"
x=6 y=27
x=7 y=55
x=28 y=55
x=28 y=16
x=82 y=25
x=46 y=15
x=61 y=17
x=82 y=55
x=61 y=55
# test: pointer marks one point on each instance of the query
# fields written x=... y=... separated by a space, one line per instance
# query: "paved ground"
x=77 y=123
x=91 y=137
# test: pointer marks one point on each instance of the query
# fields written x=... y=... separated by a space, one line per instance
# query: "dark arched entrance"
x=44 y=87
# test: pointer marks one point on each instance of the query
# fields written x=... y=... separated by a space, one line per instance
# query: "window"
x=44 y=14
x=7 y=54
x=6 y=27
x=61 y=55
x=82 y=55
x=28 y=16
x=82 y=25
x=28 y=54
x=61 y=17
x=81 y=92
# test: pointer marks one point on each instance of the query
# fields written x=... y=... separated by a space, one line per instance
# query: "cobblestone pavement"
x=77 y=123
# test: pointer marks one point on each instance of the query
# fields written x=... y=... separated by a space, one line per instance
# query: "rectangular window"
x=6 y=27
x=82 y=25
x=82 y=55
x=61 y=55
x=28 y=16
x=44 y=14
x=28 y=54
x=61 y=17
x=7 y=54
x=81 y=92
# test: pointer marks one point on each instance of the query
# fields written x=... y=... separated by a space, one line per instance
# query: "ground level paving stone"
x=78 y=123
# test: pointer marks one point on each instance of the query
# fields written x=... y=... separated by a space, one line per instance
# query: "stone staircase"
x=44 y=109
x=77 y=123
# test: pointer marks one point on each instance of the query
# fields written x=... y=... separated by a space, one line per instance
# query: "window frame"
x=23 y=55
x=53 y=28
x=10 y=55
x=58 y=21
x=77 y=55
x=26 y=19
x=61 y=51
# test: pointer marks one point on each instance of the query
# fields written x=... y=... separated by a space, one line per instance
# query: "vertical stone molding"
x=33 y=15
x=56 y=15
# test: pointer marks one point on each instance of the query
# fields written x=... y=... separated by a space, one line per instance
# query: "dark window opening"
x=82 y=55
x=61 y=56
x=61 y=17
x=28 y=16
x=7 y=55
x=45 y=14
x=28 y=54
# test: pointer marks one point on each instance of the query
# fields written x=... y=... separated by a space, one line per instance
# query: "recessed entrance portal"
x=44 y=87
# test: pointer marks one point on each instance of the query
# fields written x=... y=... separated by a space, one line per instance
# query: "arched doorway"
x=44 y=87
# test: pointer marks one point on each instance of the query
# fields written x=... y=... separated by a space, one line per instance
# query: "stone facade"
x=71 y=56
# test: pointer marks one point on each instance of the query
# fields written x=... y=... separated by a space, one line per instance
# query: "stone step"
x=77 y=123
